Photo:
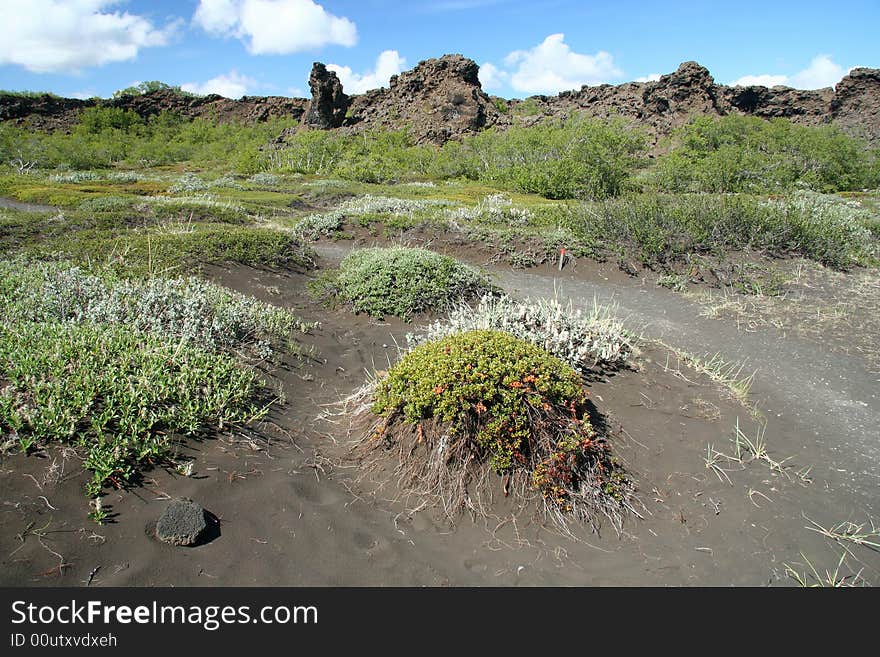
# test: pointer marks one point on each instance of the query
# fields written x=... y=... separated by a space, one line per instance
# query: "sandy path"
x=11 y=204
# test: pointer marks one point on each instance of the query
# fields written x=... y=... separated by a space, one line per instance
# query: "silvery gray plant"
x=586 y=339
x=313 y=226
x=189 y=309
x=496 y=208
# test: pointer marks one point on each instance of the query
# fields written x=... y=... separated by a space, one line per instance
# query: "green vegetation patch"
x=747 y=154
x=403 y=281
x=180 y=309
x=174 y=247
x=121 y=397
x=123 y=370
x=454 y=406
x=664 y=228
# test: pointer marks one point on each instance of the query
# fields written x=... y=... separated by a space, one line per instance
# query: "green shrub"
x=104 y=137
x=123 y=398
x=663 y=228
x=747 y=154
x=151 y=87
x=576 y=158
x=403 y=282
x=372 y=157
x=484 y=397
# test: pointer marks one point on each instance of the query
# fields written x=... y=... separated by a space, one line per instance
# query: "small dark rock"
x=183 y=522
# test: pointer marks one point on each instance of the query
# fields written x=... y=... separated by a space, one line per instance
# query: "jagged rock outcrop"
x=658 y=106
x=441 y=99
x=801 y=106
x=856 y=104
x=438 y=100
x=662 y=105
x=44 y=112
x=329 y=102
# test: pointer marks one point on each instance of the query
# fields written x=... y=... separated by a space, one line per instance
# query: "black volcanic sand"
x=287 y=516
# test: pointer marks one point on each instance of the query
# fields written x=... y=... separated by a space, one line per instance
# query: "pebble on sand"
x=182 y=523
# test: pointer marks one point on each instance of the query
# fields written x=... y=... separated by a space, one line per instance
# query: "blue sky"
x=265 y=47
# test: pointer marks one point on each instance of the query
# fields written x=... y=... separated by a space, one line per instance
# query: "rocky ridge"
x=442 y=99
x=48 y=112
x=662 y=105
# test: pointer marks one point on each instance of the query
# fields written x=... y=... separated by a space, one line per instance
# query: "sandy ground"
x=290 y=517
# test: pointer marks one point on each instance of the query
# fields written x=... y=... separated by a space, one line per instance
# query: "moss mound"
x=485 y=401
x=403 y=281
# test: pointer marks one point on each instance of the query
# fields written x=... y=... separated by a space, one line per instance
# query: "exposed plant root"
x=432 y=467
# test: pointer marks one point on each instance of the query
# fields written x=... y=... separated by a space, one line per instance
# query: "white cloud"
x=228 y=85
x=276 y=27
x=66 y=36
x=552 y=66
x=388 y=63
x=491 y=77
x=650 y=77
x=296 y=92
x=763 y=80
x=822 y=72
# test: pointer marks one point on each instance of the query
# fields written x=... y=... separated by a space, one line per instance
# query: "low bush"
x=663 y=228
x=403 y=281
x=123 y=370
x=168 y=249
x=105 y=137
x=575 y=158
x=454 y=409
x=366 y=208
x=495 y=208
x=746 y=154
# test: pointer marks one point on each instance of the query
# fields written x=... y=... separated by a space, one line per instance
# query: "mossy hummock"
x=487 y=398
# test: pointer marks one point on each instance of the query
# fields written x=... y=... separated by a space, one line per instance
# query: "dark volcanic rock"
x=856 y=104
x=438 y=100
x=183 y=522
x=52 y=113
x=661 y=106
x=19 y=108
x=329 y=102
x=809 y=107
x=441 y=99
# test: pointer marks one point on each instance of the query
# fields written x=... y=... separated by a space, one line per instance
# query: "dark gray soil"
x=291 y=513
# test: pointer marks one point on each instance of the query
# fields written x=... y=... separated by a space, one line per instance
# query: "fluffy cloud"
x=388 y=63
x=552 y=66
x=228 y=85
x=491 y=77
x=275 y=27
x=650 y=77
x=822 y=72
x=66 y=36
x=763 y=80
